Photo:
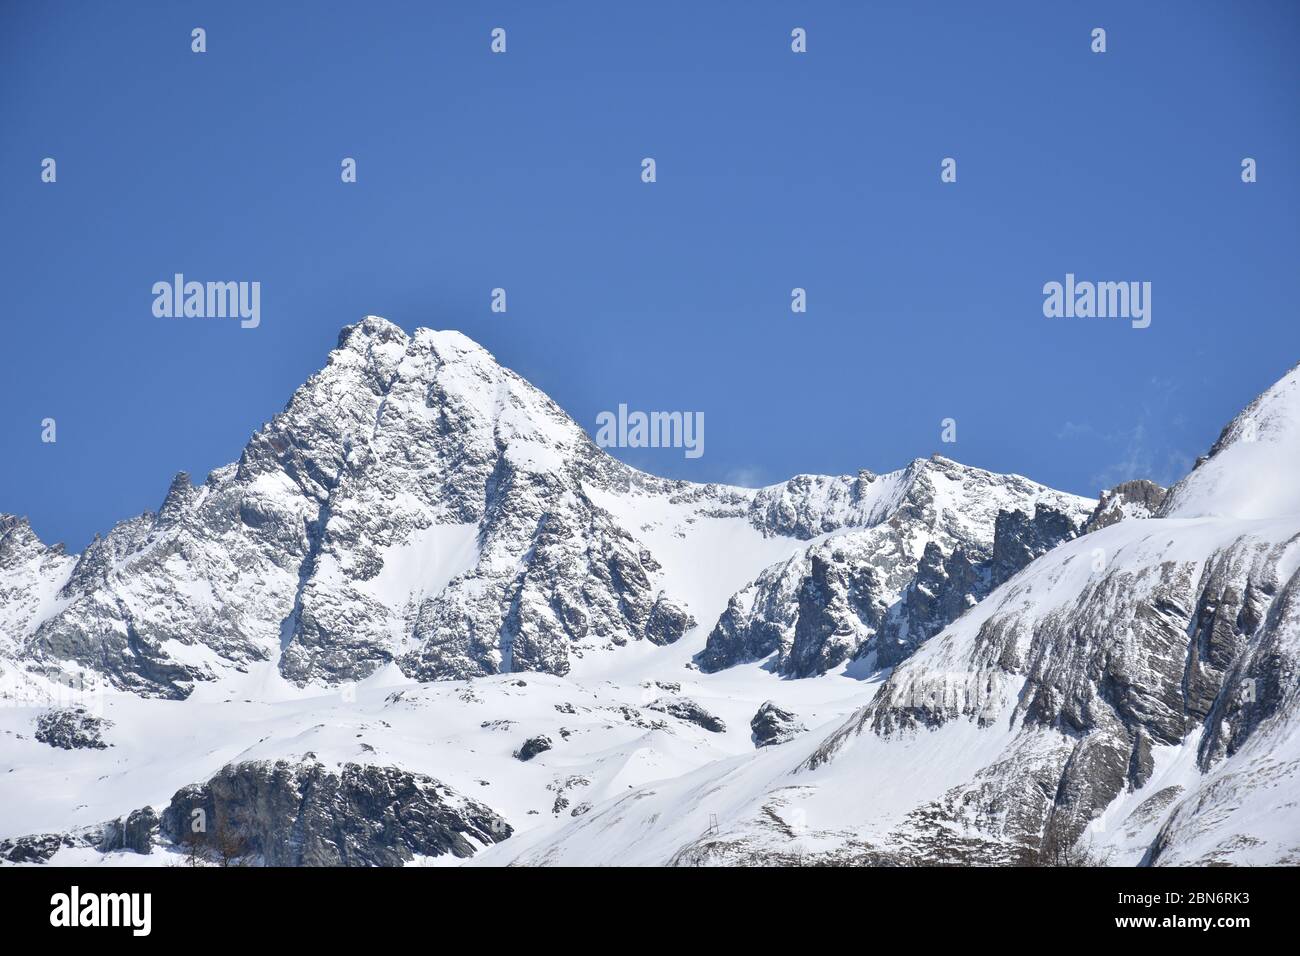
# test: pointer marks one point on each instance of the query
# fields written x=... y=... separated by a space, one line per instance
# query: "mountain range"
x=424 y=619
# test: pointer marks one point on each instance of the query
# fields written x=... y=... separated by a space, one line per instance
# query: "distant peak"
x=1249 y=472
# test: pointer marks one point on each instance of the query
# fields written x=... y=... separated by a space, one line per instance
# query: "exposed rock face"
x=809 y=505
x=405 y=452
x=533 y=746
x=774 y=725
x=947 y=536
x=134 y=832
x=285 y=814
x=72 y=729
x=683 y=708
x=1132 y=499
x=1026 y=732
x=1188 y=627
x=1019 y=537
x=37 y=848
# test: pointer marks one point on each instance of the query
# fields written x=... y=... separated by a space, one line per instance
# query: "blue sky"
x=775 y=170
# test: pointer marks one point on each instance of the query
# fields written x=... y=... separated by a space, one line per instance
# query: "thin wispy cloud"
x=1143 y=450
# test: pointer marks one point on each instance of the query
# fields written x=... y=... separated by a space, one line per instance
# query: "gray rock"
x=533 y=746
x=37 y=848
x=1019 y=538
x=683 y=708
x=72 y=729
x=774 y=725
x=862 y=595
x=287 y=814
x=134 y=832
x=400 y=440
x=1141 y=657
x=1131 y=499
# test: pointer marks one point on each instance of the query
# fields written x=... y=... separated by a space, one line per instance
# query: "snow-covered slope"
x=1250 y=471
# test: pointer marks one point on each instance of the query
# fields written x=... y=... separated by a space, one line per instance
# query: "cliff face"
x=946 y=535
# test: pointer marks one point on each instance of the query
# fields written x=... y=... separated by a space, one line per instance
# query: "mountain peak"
x=1250 y=471
x=370 y=329
x=375 y=330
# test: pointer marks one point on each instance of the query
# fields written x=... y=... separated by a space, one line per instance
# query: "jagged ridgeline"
x=424 y=612
x=1131 y=696
x=417 y=503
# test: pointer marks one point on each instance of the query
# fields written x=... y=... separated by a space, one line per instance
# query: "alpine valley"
x=425 y=620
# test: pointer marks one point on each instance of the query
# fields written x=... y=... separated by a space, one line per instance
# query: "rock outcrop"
x=532 y=747
x=774 y=725
x=1132 y=499
x=72 y=729
x=947 y=537
x=286 y=814
x=1131 y=696
x=683 y=708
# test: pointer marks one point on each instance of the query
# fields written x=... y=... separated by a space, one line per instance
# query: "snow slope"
x=1250 y=472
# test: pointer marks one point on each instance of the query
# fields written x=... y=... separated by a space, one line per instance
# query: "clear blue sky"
x=774 y=171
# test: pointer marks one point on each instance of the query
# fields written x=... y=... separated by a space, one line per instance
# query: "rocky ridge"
x=417 y=503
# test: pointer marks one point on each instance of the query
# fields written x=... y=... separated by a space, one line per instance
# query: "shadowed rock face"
x=869 y=593
x=532 y=747
x=37 y=848
x=298 y=550
x=285 y=814
x=774 y=725
x=134 y=832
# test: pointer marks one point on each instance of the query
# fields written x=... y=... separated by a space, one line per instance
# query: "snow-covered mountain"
x=1135 y=692
x=424 y=594
x=416 y=502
